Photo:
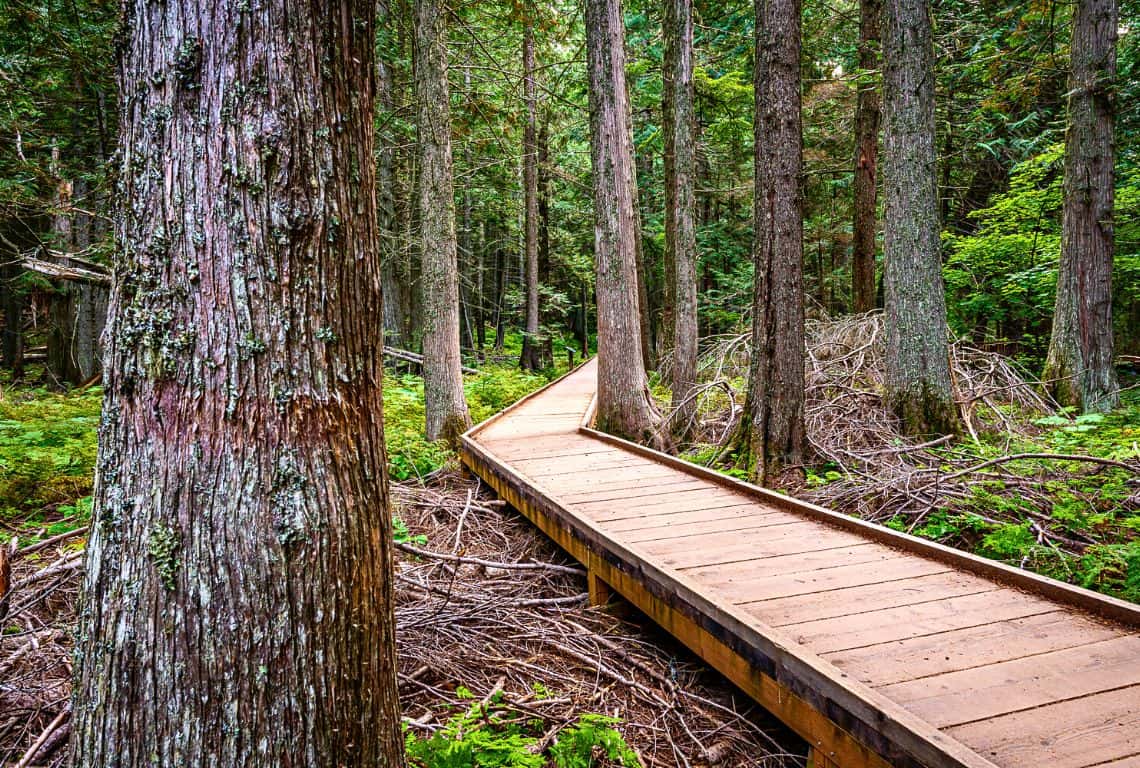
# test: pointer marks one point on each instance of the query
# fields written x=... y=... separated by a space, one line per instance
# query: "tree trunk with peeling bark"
x=237 y=608
x=624 y=405
x=773 y=423
x=867 y=117
x=1079 y=365
x=444 y=402
x=917 y=380
x=680 y=229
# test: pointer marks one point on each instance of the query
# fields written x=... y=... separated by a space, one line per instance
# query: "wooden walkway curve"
x=878 y=648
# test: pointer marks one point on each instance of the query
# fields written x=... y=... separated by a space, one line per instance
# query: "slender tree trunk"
x=391 y=253
x=466 y=248
x=13 y=300
x=480 y=295
x=237 y=605
x=1080 y=359
x=624 y=404
x=544 y=195
x=645 y=315
x=918 y=385
x=500 y=286
x=866 y=158
x=680 y=229
x=773 y=424
x=444 y=402
x=532 y=345
x=61 y=340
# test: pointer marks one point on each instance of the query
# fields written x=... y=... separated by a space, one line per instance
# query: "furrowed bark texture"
x=680 y=226
x=444 y=402
x=237 y=606
x=624 y=406
x=393 y=275
x=532 y=357
x=774 y=413
x=917 y=352
x=1080 y=359
x=866 y=159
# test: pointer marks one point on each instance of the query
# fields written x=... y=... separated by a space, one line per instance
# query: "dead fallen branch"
x=504 y=616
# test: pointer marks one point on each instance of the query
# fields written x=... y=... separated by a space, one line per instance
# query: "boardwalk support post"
x=600 y=592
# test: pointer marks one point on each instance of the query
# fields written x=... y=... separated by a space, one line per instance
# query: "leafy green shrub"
x=488 y=736
x=578 y=746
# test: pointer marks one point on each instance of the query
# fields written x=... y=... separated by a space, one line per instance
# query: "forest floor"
x=500 y=653
x=496 y=642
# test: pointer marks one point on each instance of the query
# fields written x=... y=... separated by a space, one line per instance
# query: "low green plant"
x=491 y=736
x=47 y=457
x=580 y=745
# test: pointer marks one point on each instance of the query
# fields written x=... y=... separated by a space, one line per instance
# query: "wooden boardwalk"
x=878 y=648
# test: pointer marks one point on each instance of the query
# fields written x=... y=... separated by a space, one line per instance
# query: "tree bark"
x=917 y=381
x=237 y=604
x=532 y=357
x=866 y=159
x=392 y=276
x=13 y=300
x=680 y=228
x=444 y=402
x=624 y=405
x=773 y=424
x=1079 y=365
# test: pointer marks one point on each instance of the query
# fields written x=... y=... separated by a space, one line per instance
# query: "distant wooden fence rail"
x=878 y=648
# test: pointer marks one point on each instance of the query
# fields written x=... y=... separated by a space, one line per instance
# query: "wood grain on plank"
x=739 y=546
x=932 y=618
x=915 y=657
x=986 y=692
x=1099 y=730
x=896 y=568
x=849 y=601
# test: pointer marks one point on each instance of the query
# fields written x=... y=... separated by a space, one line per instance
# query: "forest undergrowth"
x=1025 y=481
x=502 y=660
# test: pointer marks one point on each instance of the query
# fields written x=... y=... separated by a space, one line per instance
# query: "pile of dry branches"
x=484 y=603
x=883 y=473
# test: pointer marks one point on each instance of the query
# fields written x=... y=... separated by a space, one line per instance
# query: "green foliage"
x=578 y=746
x=409 y=454
x=1001 y=280
x=492 y=736
x=47 y=455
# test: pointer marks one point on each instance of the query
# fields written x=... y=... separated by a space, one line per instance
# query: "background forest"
x=1027 y=481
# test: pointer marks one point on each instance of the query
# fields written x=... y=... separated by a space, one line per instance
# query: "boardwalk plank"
x=901 y=660
x=740 y=546
x=1098 y=730
x=890 y=624
x=861 y=598
x=986 y=692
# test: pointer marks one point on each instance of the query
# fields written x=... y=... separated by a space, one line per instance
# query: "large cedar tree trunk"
x=237 y=605
x=624 y=406
x=866 y=159
x=918 y=385
x=1079 y=365
x=680 y=229
x=445 y=405
x=532 y=350
x=773 y=424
